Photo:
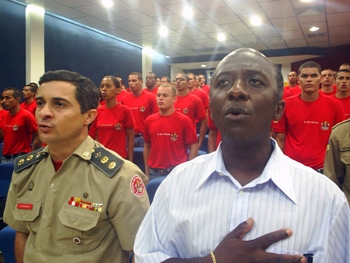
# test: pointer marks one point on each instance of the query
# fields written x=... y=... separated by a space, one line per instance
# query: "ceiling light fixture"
x=107 y=3
x=187 y=12
x=255 y=21
x=163 y=31
x=221 y=37
x=314 y=28
x=167 y=56
x=203 y=66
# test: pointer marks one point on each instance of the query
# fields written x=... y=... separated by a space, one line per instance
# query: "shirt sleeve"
x=128 y=118
x=31 y=123
x=201 y=115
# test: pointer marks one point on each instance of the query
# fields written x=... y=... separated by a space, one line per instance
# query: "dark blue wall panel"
x=12 y=45
x=91 y=53
x=160 y=65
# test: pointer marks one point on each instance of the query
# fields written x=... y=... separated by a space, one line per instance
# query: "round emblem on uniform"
x=142 y=109
x=173 y=137
x=15 y=127
x=118 y=126
x=185 y=111
x=137 y=186
x=325 y=126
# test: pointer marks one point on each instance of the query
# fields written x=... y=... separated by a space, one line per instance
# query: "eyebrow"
x=54 y=99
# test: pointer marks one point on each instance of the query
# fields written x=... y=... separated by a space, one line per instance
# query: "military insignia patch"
x=325 y=126
x=173 y=137
x=142 y=109
x=137 y=186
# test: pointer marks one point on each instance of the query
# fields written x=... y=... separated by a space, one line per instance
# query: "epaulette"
x=24 y=161
x=105 y=161
x=340 y=123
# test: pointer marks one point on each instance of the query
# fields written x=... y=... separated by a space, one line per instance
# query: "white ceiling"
x=285 y=23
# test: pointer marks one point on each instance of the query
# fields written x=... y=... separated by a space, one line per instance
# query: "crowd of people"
x=76 y=194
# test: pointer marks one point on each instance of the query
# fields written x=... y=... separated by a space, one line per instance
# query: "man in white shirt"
x=204 y=211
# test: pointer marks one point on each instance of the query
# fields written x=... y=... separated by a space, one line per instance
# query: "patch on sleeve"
x=137 y=186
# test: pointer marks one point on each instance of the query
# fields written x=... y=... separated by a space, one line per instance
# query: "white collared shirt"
x=199 y=203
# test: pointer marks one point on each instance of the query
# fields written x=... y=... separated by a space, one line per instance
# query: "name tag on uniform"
x=25 y=206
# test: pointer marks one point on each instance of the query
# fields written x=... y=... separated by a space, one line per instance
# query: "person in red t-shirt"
x=307 y=121
x=214 y=137
x=192 y=88
x=293 y=86
x=29 y=92
x=328 y=87
x=343 y=90
x=18 y=127
x=168 y=136
x=165 y=80
x=190 y=105
x=141 y=103
x=151 y=83
x=202 y=84
x=114 y=124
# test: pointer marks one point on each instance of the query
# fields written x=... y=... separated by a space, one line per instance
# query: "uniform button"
x=38 y=248
x=25 y=216
x=221 y=174
x=52 y=185
x=76 y=222
x=76 y=240
x=241 y=193
x=45 y=216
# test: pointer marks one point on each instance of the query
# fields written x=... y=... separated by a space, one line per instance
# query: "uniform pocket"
x=26 y=212
x=80 y=230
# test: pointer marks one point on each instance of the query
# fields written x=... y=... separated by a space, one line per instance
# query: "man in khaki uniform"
x=337 y=161
x=74 y=200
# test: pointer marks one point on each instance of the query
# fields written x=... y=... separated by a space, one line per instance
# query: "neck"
x=292 y=85
x=62 y=150
x=327 y=88
x=14 y=110
x=151 y=88
x=183 y=92
x=190 y=89
x=342 y=95
x=309 y=97
x=166 y=112
x=30 y=100
x=246 y=160
x=137 y=93
x=111 y=103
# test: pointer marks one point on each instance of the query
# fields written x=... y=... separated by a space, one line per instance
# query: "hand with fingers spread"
x=234 y=249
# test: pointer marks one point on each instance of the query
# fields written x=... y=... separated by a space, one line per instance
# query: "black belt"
x=138 y=135
x=162 y=171
x=13 y=155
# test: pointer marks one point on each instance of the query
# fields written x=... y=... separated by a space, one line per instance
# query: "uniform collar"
x=276 y=170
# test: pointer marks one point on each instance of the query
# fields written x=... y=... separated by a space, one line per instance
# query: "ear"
x=90 y=115
x=279 y=108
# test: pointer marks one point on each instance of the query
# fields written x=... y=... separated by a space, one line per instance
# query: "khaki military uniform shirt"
x=87 y=211
x=337 y=160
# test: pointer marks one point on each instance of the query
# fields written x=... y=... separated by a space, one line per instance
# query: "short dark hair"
x=343 y=70
x=15 y=92
x=86 y=93
x=152 y=73
x=138 y=74
x=167 y=78
x=310 y=64
x=187 y=78
x=121 y=80
x=32 y=86
x=114 y=79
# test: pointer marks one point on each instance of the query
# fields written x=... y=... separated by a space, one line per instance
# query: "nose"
x=44 y=112
x=237 y=91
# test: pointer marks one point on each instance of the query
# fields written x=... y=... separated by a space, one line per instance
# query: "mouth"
x=44 y=127
x=236 y=113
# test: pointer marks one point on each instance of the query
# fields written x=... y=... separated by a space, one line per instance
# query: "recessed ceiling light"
x=306 y=1
x=255 y=21
x=314 y=28
x=221 y=37
x=167 y=56
x=107 y=3
x=203 y=66
x=187 y=12
x=163 y=31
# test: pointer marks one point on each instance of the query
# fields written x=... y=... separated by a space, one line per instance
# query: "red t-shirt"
x=153 y=91
x=330 y=93
x=294 y=91
x=2 y=115
x=31 y=107
x=203 y=97
x=307 y=126
x=191 y=106
x=18 y=130
x=206 y=88
x=121 y=95
x=212 y=126
x=141 y=107
x=109 y=127
x=346 y=106
x=169 y=137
